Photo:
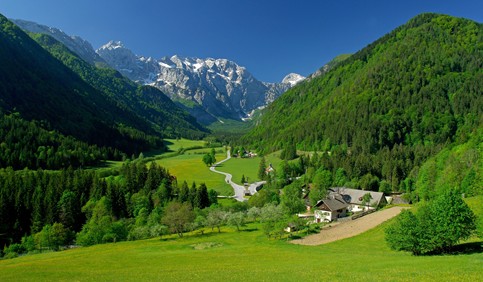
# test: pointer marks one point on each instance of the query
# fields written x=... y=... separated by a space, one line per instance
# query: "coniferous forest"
x=98 y=209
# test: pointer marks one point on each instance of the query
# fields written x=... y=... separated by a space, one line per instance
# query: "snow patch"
x=164 y=65
x=197 y=66
x=293 y=79
x=112 y=45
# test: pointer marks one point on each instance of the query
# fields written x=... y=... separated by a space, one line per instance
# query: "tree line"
x=26 y=144
x=87 y=206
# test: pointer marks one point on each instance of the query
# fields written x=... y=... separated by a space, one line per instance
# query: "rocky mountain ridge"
x=210 y=89
x=221 y=87
x=75 y=43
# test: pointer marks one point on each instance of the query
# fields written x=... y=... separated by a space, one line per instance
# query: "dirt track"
x=348 y=229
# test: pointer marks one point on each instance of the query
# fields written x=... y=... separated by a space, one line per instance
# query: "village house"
x=331 y=208
x=354 y=198
x=341 y=200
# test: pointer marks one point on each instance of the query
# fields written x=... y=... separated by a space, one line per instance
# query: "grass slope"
x=242 y=256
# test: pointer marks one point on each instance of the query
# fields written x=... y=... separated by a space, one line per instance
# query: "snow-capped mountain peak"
x=292 y=79
x=112 y=45
x=213 y=87
x=220 y=86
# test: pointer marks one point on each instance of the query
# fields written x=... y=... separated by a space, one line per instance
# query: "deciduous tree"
x=178 y=217
x=436 y=227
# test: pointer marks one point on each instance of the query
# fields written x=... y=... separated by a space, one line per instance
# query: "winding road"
x=239 y=189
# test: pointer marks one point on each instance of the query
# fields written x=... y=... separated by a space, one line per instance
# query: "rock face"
x=76 y=44
x=221 y=87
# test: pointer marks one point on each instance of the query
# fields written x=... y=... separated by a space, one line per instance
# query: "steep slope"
x=152 y=105
x=76 y=44
x=221 y=87
x=330 y=65
x=147 y=102
x=39 y=87
x=29 y=145
x=384 y=110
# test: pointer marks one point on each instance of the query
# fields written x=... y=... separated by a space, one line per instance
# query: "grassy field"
x=190 y=167
x=248 y=167
x=186 y=167
x=242 y=256
x=176 y=144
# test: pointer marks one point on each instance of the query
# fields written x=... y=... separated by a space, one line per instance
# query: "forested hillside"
x=28 y=145
x=148 y=102
x=96 y=106
x=113 y=207
x=381 y=113
x=39 y=87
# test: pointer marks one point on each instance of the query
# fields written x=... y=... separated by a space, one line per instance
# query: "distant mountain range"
x=209 y=89
x=221 y=87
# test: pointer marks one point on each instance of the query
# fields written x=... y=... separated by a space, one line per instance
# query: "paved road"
x=239 y=189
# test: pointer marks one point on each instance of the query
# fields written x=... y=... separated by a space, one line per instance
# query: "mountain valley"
x=104 y=146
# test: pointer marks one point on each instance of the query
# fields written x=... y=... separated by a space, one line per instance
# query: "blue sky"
x=269 y=38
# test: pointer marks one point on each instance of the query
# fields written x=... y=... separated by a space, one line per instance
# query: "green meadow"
x=189 y=167
x=177 y=144
x=248 y=167
x=243 y=256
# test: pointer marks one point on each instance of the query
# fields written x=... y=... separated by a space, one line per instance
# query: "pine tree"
x=184 y=192
x=201 y=200
x=262 y=175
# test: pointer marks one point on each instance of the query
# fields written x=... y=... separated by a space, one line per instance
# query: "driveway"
x=350 y=228
x=238 y=189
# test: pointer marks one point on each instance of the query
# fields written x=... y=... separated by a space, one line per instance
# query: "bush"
x=28 y=242
x=14 y=250
x=10 y=255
